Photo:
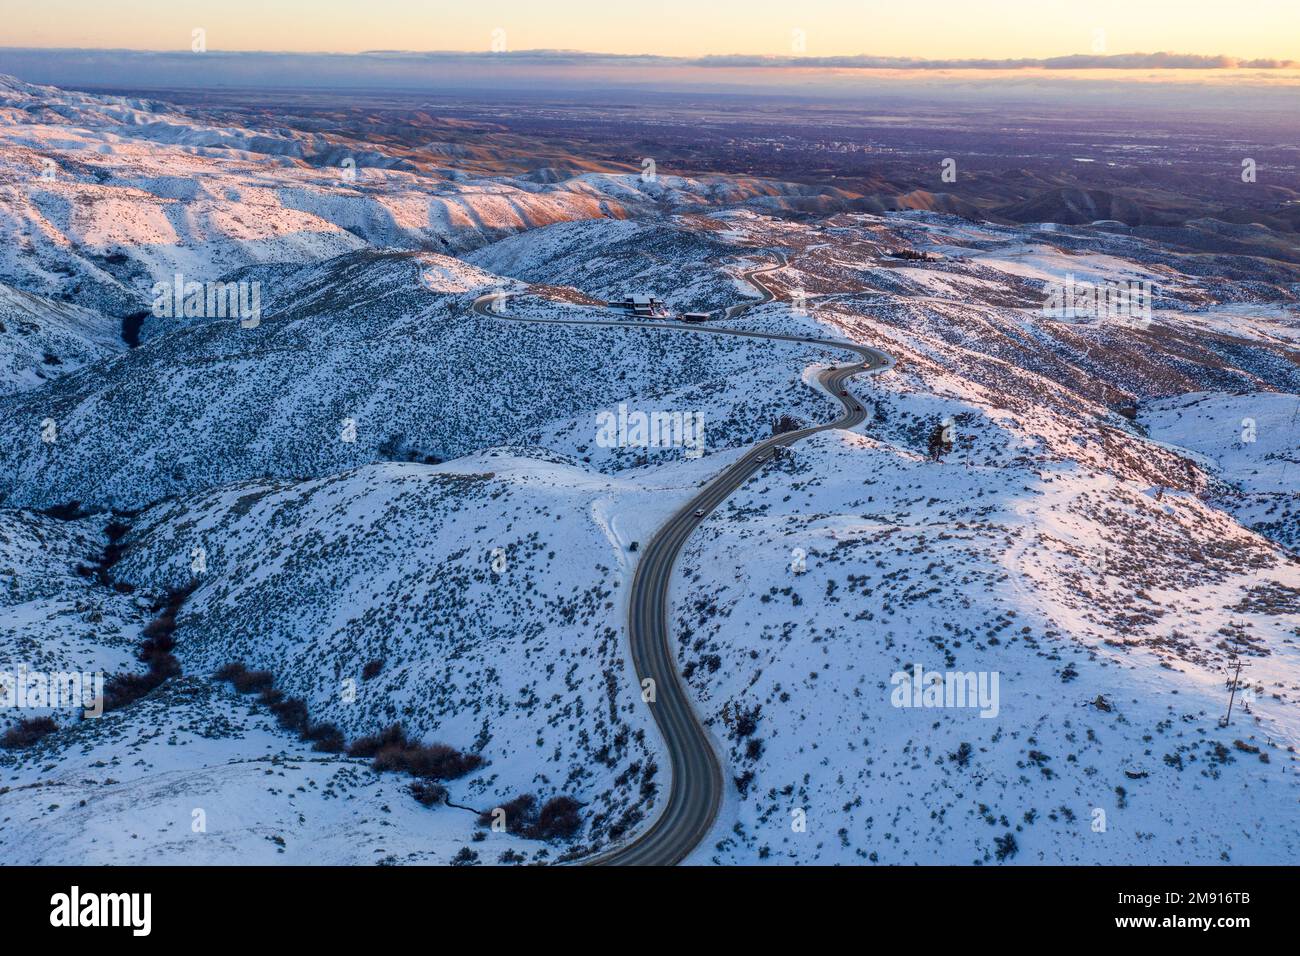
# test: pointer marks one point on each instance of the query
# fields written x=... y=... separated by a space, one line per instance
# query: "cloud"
x=1131 y=80
x=1078 y=61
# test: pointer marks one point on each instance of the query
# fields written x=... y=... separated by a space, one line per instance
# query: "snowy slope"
x=959 y=566
x=521 y=661
x=488 y=590
x=388 y=342
x=615 y=260
x=101 y=197
x=1251 y=442
x=194 y=775
x=42 y=340
x=54 y=615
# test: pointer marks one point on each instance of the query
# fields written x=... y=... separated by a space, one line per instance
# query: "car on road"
x=699 y=512
x=844 y=391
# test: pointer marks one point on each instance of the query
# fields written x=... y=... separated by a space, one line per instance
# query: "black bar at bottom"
x=330 y=905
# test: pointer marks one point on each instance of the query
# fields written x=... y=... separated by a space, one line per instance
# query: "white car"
x=699 y=512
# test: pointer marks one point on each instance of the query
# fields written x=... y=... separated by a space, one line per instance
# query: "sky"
x=686 y=28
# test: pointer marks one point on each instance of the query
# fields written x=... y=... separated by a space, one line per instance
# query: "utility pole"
x=1231 y=694
x=1291 y=431
x=1239 y=640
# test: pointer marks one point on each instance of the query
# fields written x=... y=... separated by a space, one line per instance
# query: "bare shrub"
x=27 y=732
x=557 y=818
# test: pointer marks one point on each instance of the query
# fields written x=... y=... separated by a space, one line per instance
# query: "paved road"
x=697 y=782
x=752 y=277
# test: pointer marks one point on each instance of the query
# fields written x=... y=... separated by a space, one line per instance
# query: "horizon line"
x=1162 y=60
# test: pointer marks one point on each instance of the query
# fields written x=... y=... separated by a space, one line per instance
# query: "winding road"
x=697 y=784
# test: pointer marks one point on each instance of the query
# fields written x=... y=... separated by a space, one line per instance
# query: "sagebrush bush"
x=250 y=682
x=227 y=672
x=392 y=751
x=27 y=732
x=291 y=714
x=370 y=745
x=428 y=793
x=557 y=818
x=326 y=738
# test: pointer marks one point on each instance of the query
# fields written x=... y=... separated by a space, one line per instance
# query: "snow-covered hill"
x=101 y=197
x=55 y=615
x=683 y=266
x=368 y=363
x=1105 y=613
x=1249 y=441
x=42 y=340
x=195 y=776
x=478 y=603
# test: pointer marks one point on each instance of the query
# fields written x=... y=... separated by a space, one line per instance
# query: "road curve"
x=697 y=785
x=752 y=277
